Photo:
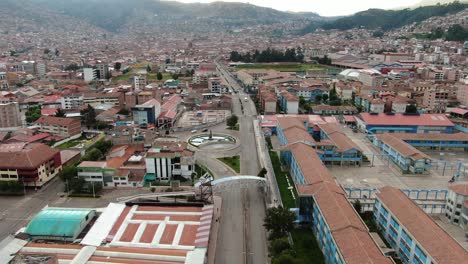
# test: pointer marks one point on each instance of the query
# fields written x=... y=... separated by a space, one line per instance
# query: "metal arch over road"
x=234 y=179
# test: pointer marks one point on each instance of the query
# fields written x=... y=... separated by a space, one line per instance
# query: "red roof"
x=349 y=118
x=461 y=189
x=406 y=120
x=48 y=111
x=438 y=244
x=459 y=111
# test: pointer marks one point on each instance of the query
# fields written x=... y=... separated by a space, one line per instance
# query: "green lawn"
x=306 y=247
x=233 y=162
x=284 y=67
x=286 y=197
x=70 y=143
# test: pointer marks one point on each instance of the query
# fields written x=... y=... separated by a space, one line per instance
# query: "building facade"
x=33 y=164
x=457 y=205
x=59 y=126
x=10 y=115
x=412 y=233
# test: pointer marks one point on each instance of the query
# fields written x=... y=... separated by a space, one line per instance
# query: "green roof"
x=150 y=177
x=57 y=222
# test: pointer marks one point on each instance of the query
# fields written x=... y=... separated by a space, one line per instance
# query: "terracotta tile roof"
x=461 y=188
x=288 y=122
x=295 y=134
x=60 y=121
x=25 y=156
x=406 y=120
x=334 y=132
x=402 y=147
x=433 y=136
x=436 y=242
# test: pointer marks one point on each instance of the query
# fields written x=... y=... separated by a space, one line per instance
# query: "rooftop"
x=438 y=244
x=406 y=120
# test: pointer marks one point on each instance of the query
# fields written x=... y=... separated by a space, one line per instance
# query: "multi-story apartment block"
x=71 y=101
x=33 y=164
x=166 y=160
x=216 y=86
x=289 y=102
x=456 y=208
x=147 y=113
x=90 y=74
x=59 y=126
x=140 y=81
x=414 y=235
x=436 y=101
x=10 y=115
x=102 y=71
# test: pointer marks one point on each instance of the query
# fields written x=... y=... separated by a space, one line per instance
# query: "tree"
x=159 y=76
x=357 y=206
x=60 y=113
x=88 y=116
x=72 y=67
x=318 y=98
x=46 y=51
x=284 y=258
x=32 y=114
x=117 y=66
x=324 y=97
x=262 y=172
x=279 y=221
x=231 y=122
x=103 y=145
x=148 y=68
x=68 y=172
x=411 y=109
x=175 y=76
x=378 y=34
x=93 y=155
x=123 y=111
x=278 y=246
x=76 y=184
x=153 y=189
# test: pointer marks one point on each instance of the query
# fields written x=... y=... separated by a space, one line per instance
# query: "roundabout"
x=210 y=141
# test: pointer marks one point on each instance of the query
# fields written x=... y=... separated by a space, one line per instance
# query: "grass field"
x=286 y=197
x=233 y=162
x=284 y=67
x=70 y=143
x=306 y=247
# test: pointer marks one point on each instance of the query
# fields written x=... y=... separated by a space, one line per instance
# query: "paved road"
x=242 y=235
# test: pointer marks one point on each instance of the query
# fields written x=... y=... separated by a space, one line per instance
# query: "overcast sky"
x=323 y=7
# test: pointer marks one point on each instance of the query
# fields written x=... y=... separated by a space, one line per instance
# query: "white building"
x=71 y=101
x=457 y=205
x=215 y=86
x=90 y=74
x=168 y=159
x=139 y=81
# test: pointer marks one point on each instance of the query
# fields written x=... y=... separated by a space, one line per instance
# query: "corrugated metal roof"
x=57 y=222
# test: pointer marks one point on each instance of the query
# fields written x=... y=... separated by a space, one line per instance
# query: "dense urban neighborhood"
x=163 y=132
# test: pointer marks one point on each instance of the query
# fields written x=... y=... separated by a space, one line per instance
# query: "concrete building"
x=456 y=209
x=147 y=113
x=59 y=126
x=166 y=161
x=436 y=101
x=215 y=86
x=324 y=206
x=33 y=164
x=289 y=103
x=102 y=71
x=10 y=115
x=90 y=74
x=374 y=123
x=405 y=156
x=71 y=101
x=140 y=81
x=414 y=235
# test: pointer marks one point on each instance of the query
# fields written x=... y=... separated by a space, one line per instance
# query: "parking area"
x=197 y=118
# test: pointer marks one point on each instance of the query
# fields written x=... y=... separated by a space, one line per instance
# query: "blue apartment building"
x=412 y=233
x=331 y=144
x=378 y=123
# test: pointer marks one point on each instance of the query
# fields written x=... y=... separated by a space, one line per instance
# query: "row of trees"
x=279 y=221
x=325 y=60
x=269 y=55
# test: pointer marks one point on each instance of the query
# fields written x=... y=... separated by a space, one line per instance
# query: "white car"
x=193 y=131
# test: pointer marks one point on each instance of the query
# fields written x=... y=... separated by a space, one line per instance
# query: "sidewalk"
x=217 y=203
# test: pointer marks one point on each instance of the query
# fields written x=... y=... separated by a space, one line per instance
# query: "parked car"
x=205 y=130
x=193 y=131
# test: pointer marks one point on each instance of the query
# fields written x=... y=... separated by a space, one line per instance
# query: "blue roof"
x=57 y=222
